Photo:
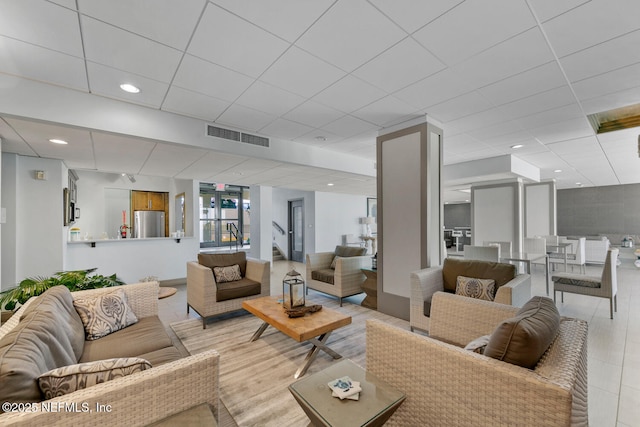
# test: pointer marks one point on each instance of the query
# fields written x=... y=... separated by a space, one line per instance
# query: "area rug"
x=254 y=376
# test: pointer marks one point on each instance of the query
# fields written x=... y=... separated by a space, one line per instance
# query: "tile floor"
x=614 y=345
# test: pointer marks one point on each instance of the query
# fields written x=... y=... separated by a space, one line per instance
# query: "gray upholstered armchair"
x=338 y=273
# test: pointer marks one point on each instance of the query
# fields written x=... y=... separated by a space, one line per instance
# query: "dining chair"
x=483 y=253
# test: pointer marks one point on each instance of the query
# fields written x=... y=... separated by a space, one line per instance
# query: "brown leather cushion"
x=238 y=289
x=325 y=275
x=225 y=260
x=50 y=335
x=452 y=268
x=347 y=251
x=523 y=339
x=144 y=337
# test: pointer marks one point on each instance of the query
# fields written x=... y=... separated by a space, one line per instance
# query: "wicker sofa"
x=342 y=278
x=210 y=298
x=173 y=384
x=514 y=289
x=448 y=385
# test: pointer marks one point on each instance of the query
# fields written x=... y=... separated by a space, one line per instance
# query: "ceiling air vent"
x=255 y=140
x=234 y=135
x=223 y=133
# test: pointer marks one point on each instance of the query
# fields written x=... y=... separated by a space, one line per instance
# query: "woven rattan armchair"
x=448 y=385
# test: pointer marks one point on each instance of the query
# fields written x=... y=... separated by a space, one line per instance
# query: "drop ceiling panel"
x=608 y=83
x=301 y=73
x=285 y=129
x=106 y=81
x=165 y=21
x=539 y=116
x=435 y=89
x=349 y=126
x=453 y=44
x=459 y=107
x=528 y=83
x=607 y=56
x=34 y=62
x=387 y=111
x=71 y=4
x=400 y=66
x=12 y=142
x=495 y=132
x=414 y=14
x=245 y=118
x=313 y=114
x=545 y=9
x=120 y=154
x=349 y=34
x=269 y=99
x=43 y=24
x=227 y=40
x=212 y=162
x=210 y=79
x=286 y=18
x=592 y=23
x=169 y=160
x=578 y=146
x=349 y=94
x=611 y=101
x=194 y=104
x=318 y=138
x=120 y=49
x=566 y=130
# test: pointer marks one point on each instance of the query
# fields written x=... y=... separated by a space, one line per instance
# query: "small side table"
x=370 y=287
x=378 y=400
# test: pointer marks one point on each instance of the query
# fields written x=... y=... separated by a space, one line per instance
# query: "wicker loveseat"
x=45 y=331
x=338 y=273
x=513 y=289
x=448 y=385
x=210 y=297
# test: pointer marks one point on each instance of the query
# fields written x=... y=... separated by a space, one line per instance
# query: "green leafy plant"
x=76 y=280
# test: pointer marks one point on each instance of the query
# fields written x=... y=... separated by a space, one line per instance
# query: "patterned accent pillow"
x=67 y=379
x=476 y=288
x=230 y=273
x=478 y=345
x=105 y=314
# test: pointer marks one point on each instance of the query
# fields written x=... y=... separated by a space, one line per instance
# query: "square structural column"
x=409 y=163
x=540 y=211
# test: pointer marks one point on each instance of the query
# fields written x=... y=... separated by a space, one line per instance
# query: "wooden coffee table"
x=315 y=327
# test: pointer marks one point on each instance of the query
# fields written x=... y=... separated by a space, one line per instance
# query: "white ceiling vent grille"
x=255 y=140
x=223 y=133
x=234 y=135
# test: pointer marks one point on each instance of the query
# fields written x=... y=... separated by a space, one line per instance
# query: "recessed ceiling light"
x=517 y=146
x=330 y=184
x=579 y=184
x=467 y=200
x=558 y=170
x=128 y=87
x=321 y=138
x=58 y=141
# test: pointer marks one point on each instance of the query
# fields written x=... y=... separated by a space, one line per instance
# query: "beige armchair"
x=448 y=385
x=345 y=278
x=513 y=289
x=210 y=298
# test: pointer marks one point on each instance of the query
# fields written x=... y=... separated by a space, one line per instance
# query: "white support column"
x=540 y=209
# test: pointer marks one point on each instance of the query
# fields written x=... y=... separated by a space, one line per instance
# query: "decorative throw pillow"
x=230 y=273
x=478 y=345
x=67 y=379
x=476 y=288
x=523 y=339
x=335 y=260
x=105 y=314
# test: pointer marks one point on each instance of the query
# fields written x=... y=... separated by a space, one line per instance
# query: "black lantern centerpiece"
x=293 y=290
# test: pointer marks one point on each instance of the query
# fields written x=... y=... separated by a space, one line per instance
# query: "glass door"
x=222 y=218
x=296 y=230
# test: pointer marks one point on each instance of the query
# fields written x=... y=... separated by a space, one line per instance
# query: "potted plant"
x=76 y=280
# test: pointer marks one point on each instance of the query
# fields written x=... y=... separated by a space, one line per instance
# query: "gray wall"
x=599 y=210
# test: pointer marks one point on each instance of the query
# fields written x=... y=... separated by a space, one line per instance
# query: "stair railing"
x=233 y=230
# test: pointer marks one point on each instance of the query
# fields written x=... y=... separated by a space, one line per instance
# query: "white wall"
x=337 y=214
x=496 y=214
x=281 y=198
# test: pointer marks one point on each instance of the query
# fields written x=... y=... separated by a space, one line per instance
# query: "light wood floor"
x=614 y=345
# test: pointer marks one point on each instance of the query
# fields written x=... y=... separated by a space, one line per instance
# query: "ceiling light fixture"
x=58 y=141
x=128 y=87
x=330 y=184
x=558 y=170
x=579 y=184
x=517 y=146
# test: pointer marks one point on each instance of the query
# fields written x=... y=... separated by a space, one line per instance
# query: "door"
x=221 y=218
x=296 y=230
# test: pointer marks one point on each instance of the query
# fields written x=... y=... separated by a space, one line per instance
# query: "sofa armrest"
x=200 y=276
x=319 y=261
x=445 y=382
x=260 y=271
x=424 y=283
x=516 y=292
x=459 y=320
x=352 y=265
x=134 y=400
x=142 y=297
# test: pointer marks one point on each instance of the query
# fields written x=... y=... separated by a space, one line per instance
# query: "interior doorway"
x=224 y=216
x=296 y=230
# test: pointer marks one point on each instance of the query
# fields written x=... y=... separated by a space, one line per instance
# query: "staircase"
x=277 y=255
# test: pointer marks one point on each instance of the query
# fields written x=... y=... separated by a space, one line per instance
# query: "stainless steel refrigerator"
x=148 y=224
